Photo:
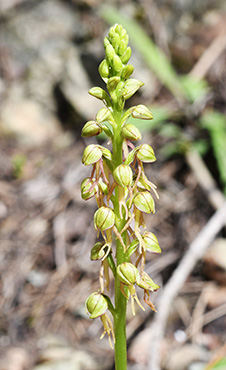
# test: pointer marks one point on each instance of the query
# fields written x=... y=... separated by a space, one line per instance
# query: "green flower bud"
x=119 y=89
x=106 y=42
x=116 y=63
x=98 y=93
x=151 y=242
x=131 y=132
x=142 y=112
x=130 y=87
x=123 y=175
x=112 y=83
x=122 y=47
x=118 y=28
x=104 y=218
x=85 y=186
x=126 y=56
x=91 y=154
x=127 y=71
x=104 y=69
x=147 y=283
x=144 y=202
x=91 y=128
x=96 y=305
x=103 y=115
x=109 y=52
x=128 y=273
x=145 y=153
x=97 y=253
x=115 y=40
x=113 y=30
x=123 y=34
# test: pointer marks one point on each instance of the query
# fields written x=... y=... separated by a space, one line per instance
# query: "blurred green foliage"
x=18 y=162
x=220 y=364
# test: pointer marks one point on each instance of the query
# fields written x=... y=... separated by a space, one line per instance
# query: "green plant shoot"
x=123 y=194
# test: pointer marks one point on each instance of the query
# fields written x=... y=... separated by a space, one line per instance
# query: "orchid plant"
x=123 y=194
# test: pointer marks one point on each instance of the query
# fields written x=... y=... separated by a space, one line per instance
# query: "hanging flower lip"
x=151 y=243
x=96 y=305
x=123 y=175
x=128 y=273
x=104 y=218
x=144 y=202
x=91 y=154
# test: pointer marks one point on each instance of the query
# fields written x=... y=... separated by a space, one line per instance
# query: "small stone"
x=216 y=253
x=182 y=357
x=37 y=278
x=31 y=124
x=41 y=190
x=15 y=359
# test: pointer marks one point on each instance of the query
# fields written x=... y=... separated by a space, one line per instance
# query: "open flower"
x=129 y=275
x=97 y=305
x=100 y=251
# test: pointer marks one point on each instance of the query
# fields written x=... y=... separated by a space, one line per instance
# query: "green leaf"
x=215 y=123
x=219 y=365
x=201 y=146
x=170 y=130
x=195 y=89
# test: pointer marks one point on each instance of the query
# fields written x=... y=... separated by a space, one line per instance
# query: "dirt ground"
x=49 y=56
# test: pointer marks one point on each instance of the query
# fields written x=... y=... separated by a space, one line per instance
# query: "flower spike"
x=122 y=191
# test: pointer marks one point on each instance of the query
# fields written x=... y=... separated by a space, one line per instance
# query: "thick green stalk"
x=120 y=300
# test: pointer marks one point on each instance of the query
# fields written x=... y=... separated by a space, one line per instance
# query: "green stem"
x=120 y=300
x=120 y=318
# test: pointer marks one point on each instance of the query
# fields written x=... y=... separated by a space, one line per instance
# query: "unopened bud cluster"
x=122 y=190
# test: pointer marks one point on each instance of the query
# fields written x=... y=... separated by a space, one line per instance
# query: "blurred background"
x=49 y=56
